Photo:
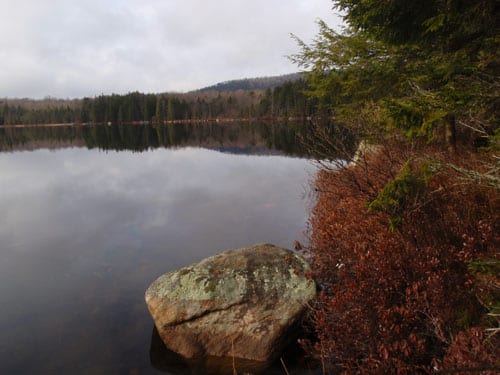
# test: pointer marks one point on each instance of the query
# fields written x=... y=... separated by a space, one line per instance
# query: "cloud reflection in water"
x=84 y=232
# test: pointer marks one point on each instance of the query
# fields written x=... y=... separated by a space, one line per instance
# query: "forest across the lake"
x=278 y=98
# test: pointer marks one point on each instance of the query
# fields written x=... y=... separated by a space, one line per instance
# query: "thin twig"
x=284 y=367
x=234 y=361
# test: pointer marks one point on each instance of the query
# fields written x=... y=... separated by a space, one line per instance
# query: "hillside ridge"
x=257 y=83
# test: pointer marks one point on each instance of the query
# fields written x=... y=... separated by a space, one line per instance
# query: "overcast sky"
x=75 y=48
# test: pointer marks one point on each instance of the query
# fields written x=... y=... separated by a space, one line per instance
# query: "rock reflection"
x=163 y=359
x=171 y=363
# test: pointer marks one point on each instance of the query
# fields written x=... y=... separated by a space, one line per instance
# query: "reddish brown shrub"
x=472 y=351
x=399 y=301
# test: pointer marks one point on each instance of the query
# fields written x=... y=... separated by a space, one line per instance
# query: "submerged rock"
x=241 y=303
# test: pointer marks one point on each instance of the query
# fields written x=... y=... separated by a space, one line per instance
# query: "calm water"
x=83 y=232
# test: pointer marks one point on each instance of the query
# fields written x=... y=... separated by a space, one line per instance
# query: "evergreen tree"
x=170 y=109
x=423 y=66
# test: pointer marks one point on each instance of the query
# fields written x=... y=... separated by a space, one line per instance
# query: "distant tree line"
x=287 y=100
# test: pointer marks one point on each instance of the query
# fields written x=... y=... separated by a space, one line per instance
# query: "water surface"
x=84 y=231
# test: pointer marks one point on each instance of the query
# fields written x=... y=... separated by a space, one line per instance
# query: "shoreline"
x=167 y=122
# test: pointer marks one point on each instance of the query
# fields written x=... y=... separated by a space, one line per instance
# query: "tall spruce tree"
x=425 y=66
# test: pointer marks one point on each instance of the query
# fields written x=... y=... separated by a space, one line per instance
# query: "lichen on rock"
x=240 y=303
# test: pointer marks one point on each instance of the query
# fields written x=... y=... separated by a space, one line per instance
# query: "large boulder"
x=241 y=303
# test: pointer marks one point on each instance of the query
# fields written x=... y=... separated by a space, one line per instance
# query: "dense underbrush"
x=405 y=249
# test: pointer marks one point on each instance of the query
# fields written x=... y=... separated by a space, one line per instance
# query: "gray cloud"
x=72 y=48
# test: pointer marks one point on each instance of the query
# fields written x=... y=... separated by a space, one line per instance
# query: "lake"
x=92 y=215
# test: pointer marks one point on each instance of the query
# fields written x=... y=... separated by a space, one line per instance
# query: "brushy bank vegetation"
x=405 y=241
x=407 y=294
